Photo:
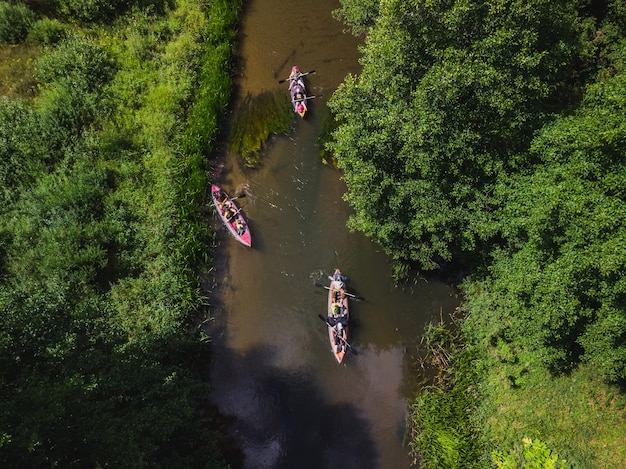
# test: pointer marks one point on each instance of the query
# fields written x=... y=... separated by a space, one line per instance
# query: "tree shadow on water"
x=282 y=419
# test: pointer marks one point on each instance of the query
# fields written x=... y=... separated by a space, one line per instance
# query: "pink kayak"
x=231 y=215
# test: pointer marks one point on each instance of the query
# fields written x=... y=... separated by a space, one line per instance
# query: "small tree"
x=15 y=22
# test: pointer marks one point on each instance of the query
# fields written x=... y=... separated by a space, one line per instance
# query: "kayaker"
x=230 y=211
x=221 y=196
x=225 y=205
x=298 y=93
x=295 y=77
x=239 y=226
x=339 y=336
x=337 y=280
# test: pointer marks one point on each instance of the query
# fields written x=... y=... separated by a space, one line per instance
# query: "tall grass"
x=441 y=432
x=108 y=246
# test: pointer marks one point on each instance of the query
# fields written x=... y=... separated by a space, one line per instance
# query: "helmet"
x=300 y=107
x=294 y=68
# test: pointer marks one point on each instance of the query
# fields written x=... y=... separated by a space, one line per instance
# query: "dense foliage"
x=448 y=102
x=103 y=182
x=492 y=135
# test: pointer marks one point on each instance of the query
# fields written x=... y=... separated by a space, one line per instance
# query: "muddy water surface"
x=295 y=407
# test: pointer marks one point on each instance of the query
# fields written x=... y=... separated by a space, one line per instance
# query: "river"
x=293 y=405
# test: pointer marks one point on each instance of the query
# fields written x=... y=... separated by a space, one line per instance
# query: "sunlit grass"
x=578 y=416
x=442 y=432
x=16 y=70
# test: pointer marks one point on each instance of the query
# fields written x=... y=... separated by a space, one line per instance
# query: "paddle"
x=295 y=78
x=234 y=214
x=302 y=99
x=348 y=346
x=238 y=197
x=357 y=298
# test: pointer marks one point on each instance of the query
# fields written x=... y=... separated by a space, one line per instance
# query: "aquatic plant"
x=255 y=119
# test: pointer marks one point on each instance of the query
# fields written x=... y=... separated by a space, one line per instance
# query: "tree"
x=450 y=96
x=566 y=220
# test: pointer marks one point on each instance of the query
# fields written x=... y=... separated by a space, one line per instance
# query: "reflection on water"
x=295 y=407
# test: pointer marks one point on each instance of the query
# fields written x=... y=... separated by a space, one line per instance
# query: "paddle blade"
x=302 y=74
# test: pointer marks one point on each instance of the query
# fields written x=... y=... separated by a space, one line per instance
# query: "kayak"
x=231 y=215
x=298 y=98
x=338 y=316
x=297 y=91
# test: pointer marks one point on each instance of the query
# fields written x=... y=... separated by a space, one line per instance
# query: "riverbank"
x=104 y=235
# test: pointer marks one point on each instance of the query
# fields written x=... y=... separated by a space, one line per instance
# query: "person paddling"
x=295 y=77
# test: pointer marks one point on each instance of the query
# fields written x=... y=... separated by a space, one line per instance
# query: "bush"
x=534 y=454
x=15 y=21
x=65 y=112
x=83 y=63
x=20 y=158
x=47 y=31
x=103 y=10
x=89 y=10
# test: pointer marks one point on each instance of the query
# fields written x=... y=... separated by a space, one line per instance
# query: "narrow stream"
x=294 y=405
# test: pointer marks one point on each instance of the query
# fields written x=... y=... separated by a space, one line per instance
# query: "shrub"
x=534 y=454
x=47 y=31
x=89 y=10
x=15 y=21
x=104 y=10
x=79 y=61
x=65 y=112
x=20 y=157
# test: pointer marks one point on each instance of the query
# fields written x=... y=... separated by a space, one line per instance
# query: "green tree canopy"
x=450 y=96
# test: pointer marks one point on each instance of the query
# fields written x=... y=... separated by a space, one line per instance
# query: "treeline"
x=102 y=187
x=491 y=135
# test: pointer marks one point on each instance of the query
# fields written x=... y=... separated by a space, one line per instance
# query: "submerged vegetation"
x=103 y=180
x=492 y=135
x=255 y=119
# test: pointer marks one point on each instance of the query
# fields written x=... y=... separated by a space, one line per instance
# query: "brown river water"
x=293 y=405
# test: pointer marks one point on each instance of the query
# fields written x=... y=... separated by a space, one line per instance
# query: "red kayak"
x=338 y=315
x=231 y=215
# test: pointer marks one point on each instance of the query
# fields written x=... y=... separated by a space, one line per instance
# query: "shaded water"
x=295 y=407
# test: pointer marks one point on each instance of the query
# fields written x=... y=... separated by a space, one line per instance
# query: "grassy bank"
x=103 y=168
x=493 y=407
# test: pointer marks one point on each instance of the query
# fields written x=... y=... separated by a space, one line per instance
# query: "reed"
x=441 y=433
